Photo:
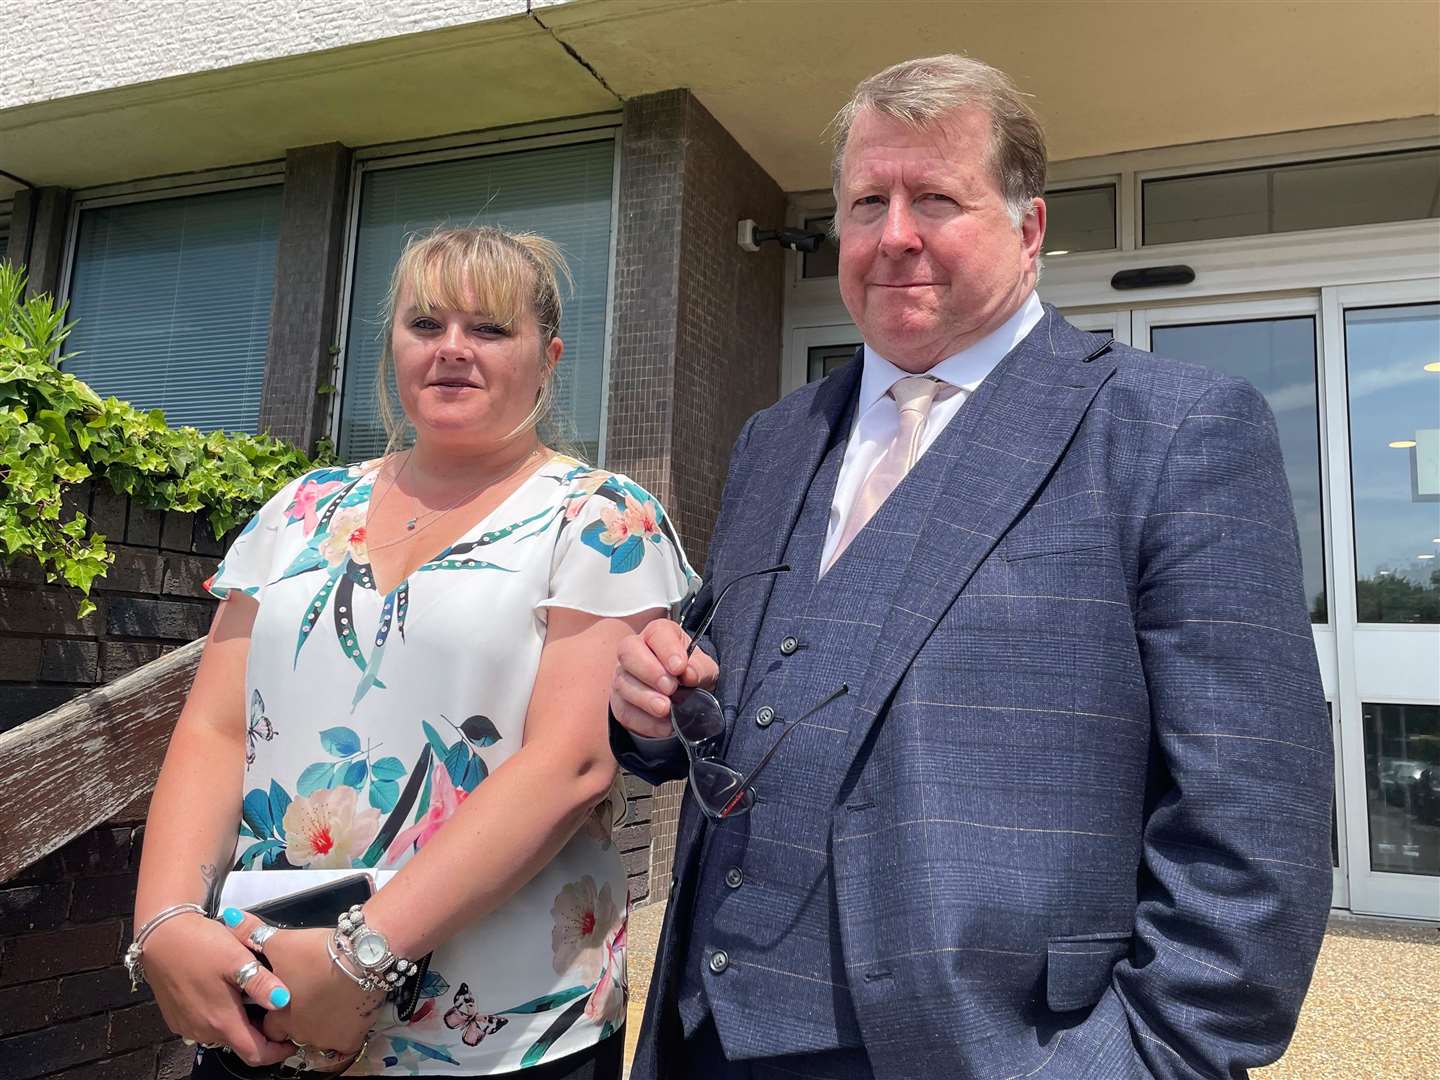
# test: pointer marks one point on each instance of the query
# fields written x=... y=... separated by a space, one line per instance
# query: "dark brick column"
x=697 y=337
x=38 y=219
x=298 y=357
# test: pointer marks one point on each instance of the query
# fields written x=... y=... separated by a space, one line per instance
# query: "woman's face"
x=464 y=377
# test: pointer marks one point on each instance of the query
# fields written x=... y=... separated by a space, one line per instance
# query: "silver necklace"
x=435 y=514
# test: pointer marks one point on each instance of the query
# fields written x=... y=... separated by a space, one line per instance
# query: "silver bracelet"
x=362 y=982
x=134 y=966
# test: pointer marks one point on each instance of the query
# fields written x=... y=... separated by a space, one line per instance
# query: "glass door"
x=1382 y=344
x=1276 y=345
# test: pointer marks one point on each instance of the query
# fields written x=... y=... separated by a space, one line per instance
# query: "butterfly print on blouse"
x=259 y=727
x=473 y=1025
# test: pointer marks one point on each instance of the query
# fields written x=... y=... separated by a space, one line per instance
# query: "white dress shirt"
x=877 y=418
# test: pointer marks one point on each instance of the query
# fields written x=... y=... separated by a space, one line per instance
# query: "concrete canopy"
x=1106 y=76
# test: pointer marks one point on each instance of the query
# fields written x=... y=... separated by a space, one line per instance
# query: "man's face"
x=930 y=261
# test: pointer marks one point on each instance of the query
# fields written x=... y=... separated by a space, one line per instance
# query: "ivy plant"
x=56 y=432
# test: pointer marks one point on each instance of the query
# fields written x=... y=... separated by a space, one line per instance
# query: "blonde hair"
x=920 y=92
x=505 y=273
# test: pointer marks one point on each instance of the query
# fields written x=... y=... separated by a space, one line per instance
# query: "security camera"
x=750 y=237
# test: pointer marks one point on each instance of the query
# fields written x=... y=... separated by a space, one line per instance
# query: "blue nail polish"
x=279 y=997
x=232 y=917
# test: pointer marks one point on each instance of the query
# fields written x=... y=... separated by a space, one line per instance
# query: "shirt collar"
x=966 y=369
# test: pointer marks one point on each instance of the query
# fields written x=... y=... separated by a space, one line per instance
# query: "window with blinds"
x=171 y=301
x=562 y=192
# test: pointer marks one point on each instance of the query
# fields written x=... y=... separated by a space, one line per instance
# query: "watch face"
x=370 y=947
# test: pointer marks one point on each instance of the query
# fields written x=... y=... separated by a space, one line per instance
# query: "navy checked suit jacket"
x=1084 y=831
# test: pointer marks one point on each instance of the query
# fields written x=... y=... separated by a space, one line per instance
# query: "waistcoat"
x=764 y=956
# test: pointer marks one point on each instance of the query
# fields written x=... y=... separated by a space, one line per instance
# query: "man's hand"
x=652 y=667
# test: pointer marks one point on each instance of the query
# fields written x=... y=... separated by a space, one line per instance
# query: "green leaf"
x=438 y=746
x=316 y=777
x=388 y=768
x=340 y=741
x=355 y=774
x=384 y=794
x=479 y=730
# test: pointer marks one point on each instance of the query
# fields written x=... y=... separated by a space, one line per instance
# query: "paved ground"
x=1373 y=1012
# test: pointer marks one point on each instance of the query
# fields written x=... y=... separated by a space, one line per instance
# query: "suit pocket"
x=1033 y=542
x=1077 y=968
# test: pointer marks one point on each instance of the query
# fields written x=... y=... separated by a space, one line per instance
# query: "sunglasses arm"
x=715 y=604
x=760 y=765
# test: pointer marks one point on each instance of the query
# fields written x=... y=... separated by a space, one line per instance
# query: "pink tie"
x=913 y=396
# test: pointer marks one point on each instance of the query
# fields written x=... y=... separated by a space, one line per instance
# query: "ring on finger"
x=245 y=972
x=261 y=934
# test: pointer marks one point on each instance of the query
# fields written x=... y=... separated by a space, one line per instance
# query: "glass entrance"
x=1386 y=464
x=1353 y=377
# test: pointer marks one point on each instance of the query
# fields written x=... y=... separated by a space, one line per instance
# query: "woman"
x=409 y=672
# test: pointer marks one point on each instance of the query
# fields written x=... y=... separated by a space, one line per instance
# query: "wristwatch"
x=370 y=951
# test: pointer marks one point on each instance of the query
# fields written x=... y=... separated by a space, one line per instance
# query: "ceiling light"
x=1066 y=251
x=1402 y=444
x=1434 y=365
x=1424 y=556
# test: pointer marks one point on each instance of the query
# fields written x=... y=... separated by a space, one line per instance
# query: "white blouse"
x=372 y=717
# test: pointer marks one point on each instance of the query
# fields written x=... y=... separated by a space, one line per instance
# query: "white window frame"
x=1115 y=181
x=600 y=127
x=1232 y=267
x=1377 y=663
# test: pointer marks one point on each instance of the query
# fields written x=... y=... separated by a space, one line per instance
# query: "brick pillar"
x=298 y=357
x=697 y=333
x=38 y=220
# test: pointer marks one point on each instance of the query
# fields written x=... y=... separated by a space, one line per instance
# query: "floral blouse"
x=372 y=717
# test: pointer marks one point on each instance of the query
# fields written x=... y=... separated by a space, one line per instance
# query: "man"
x=1063 y=809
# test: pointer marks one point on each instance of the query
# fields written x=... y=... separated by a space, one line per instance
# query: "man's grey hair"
x=921 y=92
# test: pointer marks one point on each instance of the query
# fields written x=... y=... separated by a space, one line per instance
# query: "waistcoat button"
x=789 y=645
x=719 y=961
x=765 y=716
x=734 y=877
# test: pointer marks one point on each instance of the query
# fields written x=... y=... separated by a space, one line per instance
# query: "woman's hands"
x=190 y=964
x=328 y=1011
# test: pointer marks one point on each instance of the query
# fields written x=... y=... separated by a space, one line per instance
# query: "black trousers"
x=603 y=1061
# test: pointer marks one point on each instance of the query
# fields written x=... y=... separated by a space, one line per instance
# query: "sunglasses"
x=697 y=719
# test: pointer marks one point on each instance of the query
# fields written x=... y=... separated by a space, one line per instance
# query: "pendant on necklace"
x=411 y=524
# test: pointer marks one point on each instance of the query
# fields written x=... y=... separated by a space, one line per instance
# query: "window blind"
x=171 y=301
x=561 y=192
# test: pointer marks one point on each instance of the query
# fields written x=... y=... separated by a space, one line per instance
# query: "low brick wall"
x=149 y=602
x=66 y=1010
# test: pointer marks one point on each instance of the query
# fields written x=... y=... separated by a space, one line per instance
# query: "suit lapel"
x=785 y=466
x=994 y=456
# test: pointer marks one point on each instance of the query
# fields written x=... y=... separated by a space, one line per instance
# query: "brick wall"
x=697 y=332
x=66 y=1010
x=149 y=602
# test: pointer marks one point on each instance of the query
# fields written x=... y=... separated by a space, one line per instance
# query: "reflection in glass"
x=1392 y=360
x=821 y=360
x=826 y=261
x=1080 y=219
x=1401 y=186
x=1278 y=357
x=1402 y=787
